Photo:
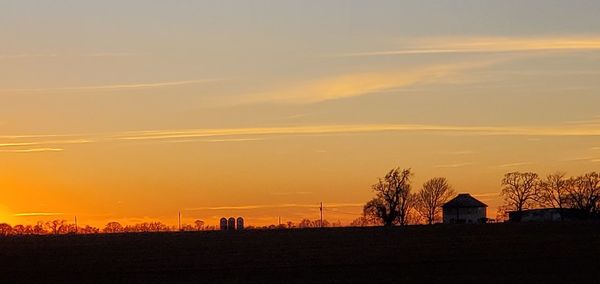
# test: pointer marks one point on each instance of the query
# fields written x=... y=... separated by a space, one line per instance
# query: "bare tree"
x=305 y=223
x=393 y=200
x=585 y=193
x=317 y=224
x=113 y=227
x=69 y=229
x=56 y=226
x=520 y=190
x=19 y=230
x=429 y=200
x=413 y=216
x=501 y=214
x=5 y=229
x=88 y=230
x=554 y=190
x=199 y=225
x=39 y=229
x=151 y=227
x=361 y=222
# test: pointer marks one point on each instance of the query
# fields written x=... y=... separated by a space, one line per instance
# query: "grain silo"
x=231 y=223
x=240 y=223
x=223 y=224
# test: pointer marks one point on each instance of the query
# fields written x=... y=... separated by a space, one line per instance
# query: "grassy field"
x=552 y=252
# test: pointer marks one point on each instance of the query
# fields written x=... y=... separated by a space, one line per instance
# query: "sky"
x=133 y=111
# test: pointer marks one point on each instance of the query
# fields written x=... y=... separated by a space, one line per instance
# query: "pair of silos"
x=232 y=223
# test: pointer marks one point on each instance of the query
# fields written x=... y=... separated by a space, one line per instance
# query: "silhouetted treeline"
x=56 y=227
x=395 y=203
x=527 y=190
x=61 y=227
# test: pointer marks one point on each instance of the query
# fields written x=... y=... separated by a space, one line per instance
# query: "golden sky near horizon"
x=134 y=110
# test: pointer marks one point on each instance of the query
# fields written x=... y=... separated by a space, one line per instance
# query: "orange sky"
x=136 y=111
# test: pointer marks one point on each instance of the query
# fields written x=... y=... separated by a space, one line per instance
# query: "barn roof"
x=464 y=200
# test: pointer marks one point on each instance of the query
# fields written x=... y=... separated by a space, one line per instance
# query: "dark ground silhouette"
x=536 y=252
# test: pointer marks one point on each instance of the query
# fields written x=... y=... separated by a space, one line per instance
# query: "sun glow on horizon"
x=133 y=112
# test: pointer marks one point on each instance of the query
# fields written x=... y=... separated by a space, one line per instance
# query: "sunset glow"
x=135 y=111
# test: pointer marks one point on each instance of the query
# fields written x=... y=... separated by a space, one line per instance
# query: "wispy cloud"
x=271 y=206
x=517 y=164
x=114 y=54
x=17 y=144
x=27 y=55
x=359 y=84
x=299 y=115
x=218 y=135
x=54 y=55
x=591 y=121
x=457 y=165
x=224 y=140
x=487 y=45
x=37 y=146
x=51 y=142
x=109 y=87
x=458 y=153
x=38 y=214
x=32 y=150
x=291 y=193
x=577 y=159
x=364 y=128
x=36 y=136
x=486 y=194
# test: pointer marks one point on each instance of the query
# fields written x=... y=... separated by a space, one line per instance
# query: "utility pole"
x=76 y=225
x=321 y=214
x=279 y=221
x=180 y=220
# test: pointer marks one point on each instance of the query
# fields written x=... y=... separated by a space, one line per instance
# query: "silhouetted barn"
x=231 y=223
x=240 y=223
x=546 y=215
x=464 y=208
x=223 y=224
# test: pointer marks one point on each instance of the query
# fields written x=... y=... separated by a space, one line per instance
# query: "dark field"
x=536 y=253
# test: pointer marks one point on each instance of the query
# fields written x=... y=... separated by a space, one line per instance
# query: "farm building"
x=223 y=223
x=546 y=215
x=464 y=208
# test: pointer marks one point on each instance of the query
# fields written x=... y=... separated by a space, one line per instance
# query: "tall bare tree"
x=434 y=193
x=585 y=193
x=520 y=190
x=554 y=190
x=393 y=200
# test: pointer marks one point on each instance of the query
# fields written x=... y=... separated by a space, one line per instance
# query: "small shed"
x=464 y=209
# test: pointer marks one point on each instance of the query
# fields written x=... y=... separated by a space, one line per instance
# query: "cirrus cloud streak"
x=474 y=45
x=223 y=135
